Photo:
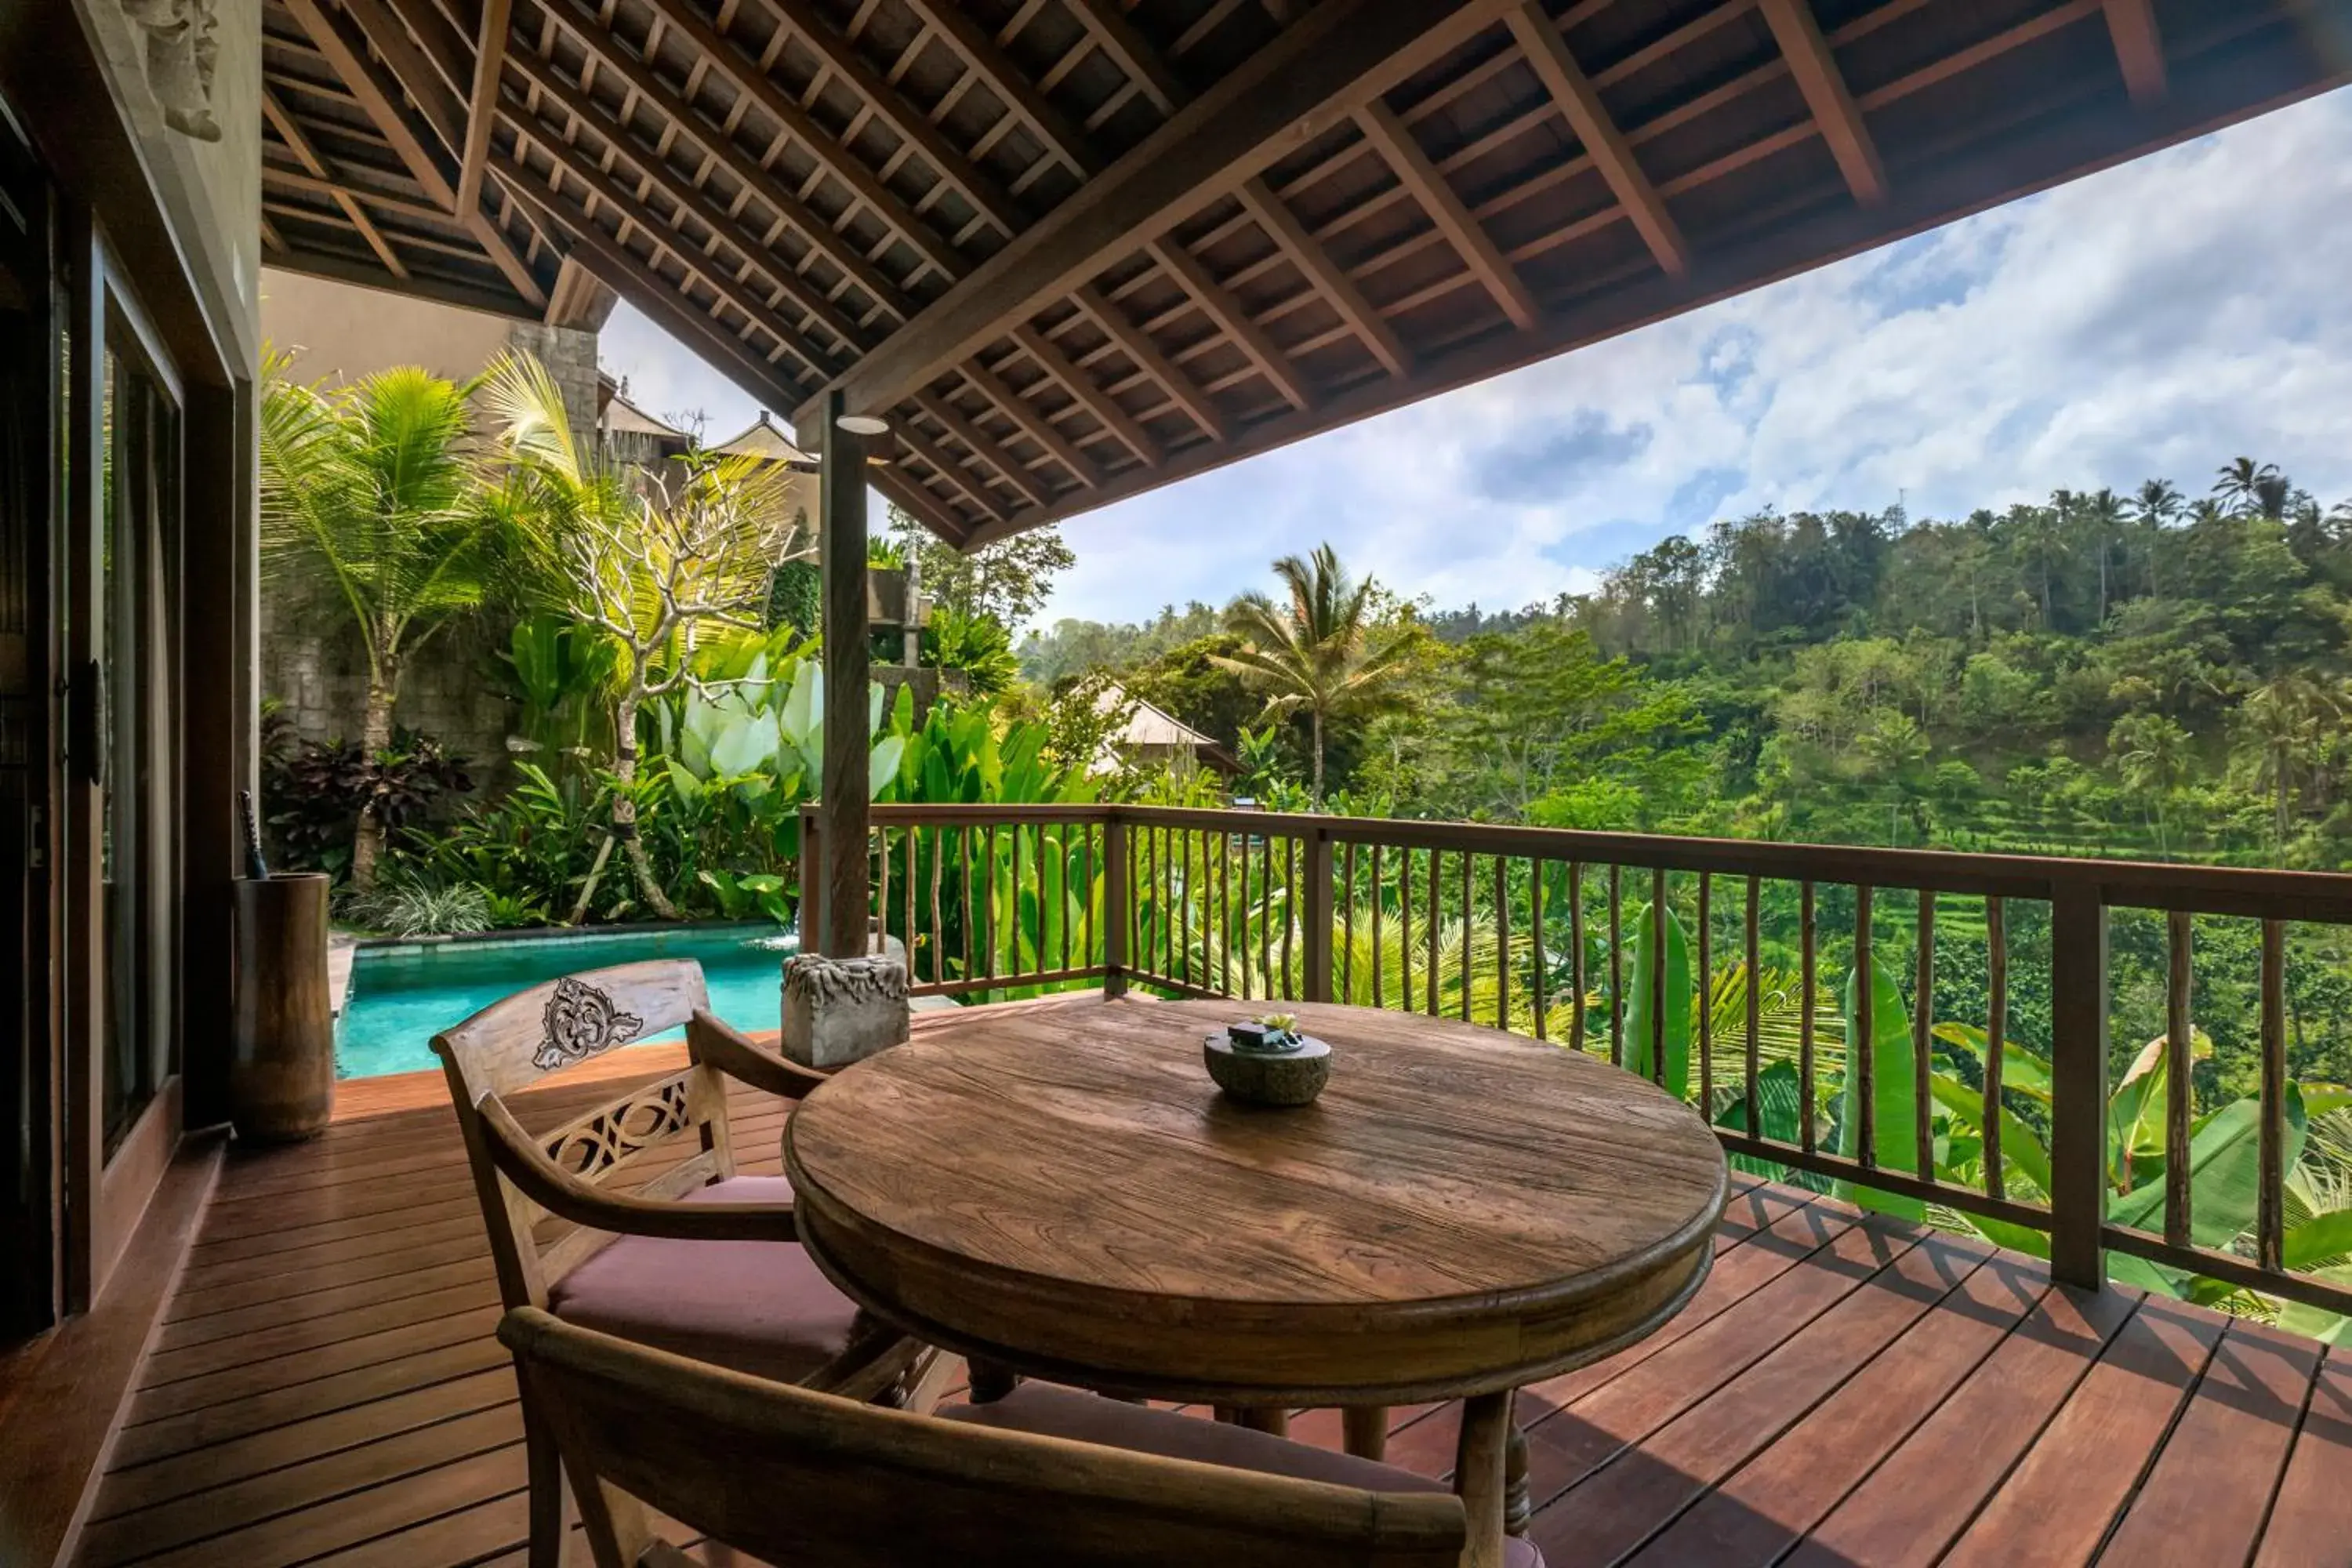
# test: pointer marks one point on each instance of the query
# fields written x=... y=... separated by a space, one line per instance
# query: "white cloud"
x=2153 y=319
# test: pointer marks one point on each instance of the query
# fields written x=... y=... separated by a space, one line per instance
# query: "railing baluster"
x=1536 y=941
x=881 y=889
x=1290 y=916
x=2270 y=1221
x=1183 y=896
x=1617 y=966
x=1704 y=999
x=1347 y=929
x=1225 y=917
x=938 y=918
x=1116 y=897
x=2179 y=1037
x=1502 y=944
x=1436 y=904
x=1751 y=920
x=988 y=925
x=1061 y=842
x=1862 y=1058
x=1405 y=932
x=1923 y=1023
x=1996 y=1040
x=1087 y=873
x=1808 y=976
x=1466 y=923
x=2078 y=1080
x=1576 y=954
x=1656 y=979
x=1379 y=989
x=1020 y=927
x=913 y=835
x=1266 y=915
x=963 y=863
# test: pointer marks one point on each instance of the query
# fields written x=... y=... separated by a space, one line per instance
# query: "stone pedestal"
x=843 y=1010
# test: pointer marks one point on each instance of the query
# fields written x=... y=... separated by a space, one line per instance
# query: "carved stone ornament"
x=842 y=1010
x=182 y=53
x=582 y=1021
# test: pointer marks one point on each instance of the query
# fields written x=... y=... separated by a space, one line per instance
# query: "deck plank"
x=2307 y=1521
x=1919 y=1500
x=2211 y=1489
x=323 y=1389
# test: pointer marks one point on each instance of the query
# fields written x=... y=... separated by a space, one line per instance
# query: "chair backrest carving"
x=522 y=1039
x=790 y=1475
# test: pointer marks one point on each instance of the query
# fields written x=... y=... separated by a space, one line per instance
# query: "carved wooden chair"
x=789 y=1475
x=698 y=1261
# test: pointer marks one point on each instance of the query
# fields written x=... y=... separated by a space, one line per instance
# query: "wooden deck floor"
x=324 y=1388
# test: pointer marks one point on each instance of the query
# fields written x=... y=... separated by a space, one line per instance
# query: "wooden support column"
x=842 y=512
x=2078 y=1049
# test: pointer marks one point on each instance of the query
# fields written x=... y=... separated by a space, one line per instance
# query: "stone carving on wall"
x=182 y=53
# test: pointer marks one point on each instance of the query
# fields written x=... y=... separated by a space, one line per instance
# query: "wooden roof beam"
x=1091 y=397
x=664 y=233
x=291 y=133
x=2139 y=49
x=489 y=53
x=1578 y=99
x=984 y=446
x=841 y=57
x=1827 y=95
x=1031 y=418
x=1395 y=143
x=628 y=275
x=378 y=98
x=1020 y=96
x=1136 y=345
x=1337 y=56
x=1131 y=51
x=948 y=468
x=682 y=194
x=904 y=492
x=745 y=77
x=1330 y=279
x=1231 y=317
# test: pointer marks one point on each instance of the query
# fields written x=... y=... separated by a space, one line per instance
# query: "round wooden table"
x=1059 y=1190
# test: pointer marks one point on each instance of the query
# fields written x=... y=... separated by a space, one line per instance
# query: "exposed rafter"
x=1574 y=93
x=1826 y=94
x=1031 y=418
x=1329 y=279
x=1091 y=397
x=300 y=146
x=841 y=57
x=1020 y=96
x=1232 y=318
x=948 y=468
x=984 y=446
x=1147 y=357
x=1394 y=142
x=489 y=52
x=2139 y=48
x=1131 y=52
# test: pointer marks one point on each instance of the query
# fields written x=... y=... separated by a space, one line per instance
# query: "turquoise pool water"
x=400 y=996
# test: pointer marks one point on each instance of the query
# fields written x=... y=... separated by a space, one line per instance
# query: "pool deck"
x=323 y=1388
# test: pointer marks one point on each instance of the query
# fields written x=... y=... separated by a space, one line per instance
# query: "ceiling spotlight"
x=864 y=425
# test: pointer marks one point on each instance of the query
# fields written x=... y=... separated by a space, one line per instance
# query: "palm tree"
x=2156 y=505
x=2041 y=540
x=377 y=484
x=1322 y=653
x=2279 y=727
x=645 y=563
x=2238 y=482
x=2153 y=755
x=2103 y=510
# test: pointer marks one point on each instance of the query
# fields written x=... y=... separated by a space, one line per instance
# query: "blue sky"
x=2151 y=320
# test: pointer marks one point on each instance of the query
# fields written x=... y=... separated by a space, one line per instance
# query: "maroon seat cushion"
x=1047 y=1411
x=759 y=1307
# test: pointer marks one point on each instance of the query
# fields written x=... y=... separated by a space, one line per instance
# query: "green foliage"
x=1893 y=1082
x=416 y=909
x=977 y=644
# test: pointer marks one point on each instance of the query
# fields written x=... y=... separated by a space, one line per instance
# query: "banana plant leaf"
x=2224 y=1175
x=2320 y=1098
x=2021 y=1071
x=2020 y=1148
x=2137 y=1109
x=2317 y=1322
x=1639 y=1011
x=1779 y=1106
x=1893 y=1117
x=2320 y=1239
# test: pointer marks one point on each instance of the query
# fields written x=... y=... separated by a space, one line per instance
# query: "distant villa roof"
x=1148 y=725
x=763 y=440
x=625 y=418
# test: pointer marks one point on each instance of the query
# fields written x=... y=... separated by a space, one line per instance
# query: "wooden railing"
x=1541 y=931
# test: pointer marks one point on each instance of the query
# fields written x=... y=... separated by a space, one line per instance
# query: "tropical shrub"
x=313 y=792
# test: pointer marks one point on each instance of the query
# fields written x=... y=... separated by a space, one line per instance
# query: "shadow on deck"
x=324 y=1388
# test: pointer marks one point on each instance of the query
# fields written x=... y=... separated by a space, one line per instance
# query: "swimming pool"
x=402 y=995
